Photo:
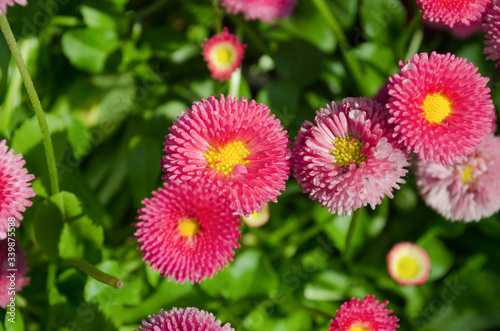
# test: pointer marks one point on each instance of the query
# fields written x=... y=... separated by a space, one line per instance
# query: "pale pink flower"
x=5 y=3
x=451 y=12
x=13 y=270
x=408 y=264
x=491 y=25
x=264 y=10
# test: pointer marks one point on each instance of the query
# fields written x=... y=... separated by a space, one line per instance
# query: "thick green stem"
x=350 y=236
x=217 y=16
x=95 y=273
x=35 y=101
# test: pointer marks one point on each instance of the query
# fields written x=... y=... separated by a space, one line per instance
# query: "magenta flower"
x=367 y=315
x=5 y=3
x=11 y=257
x=180 y=319
x=440 y=106
x=223 y=54
x=264 y=10
x=348 y=158
x=233 y=147
x=187 y=232
x=452 y=12
x=15 y=187
x=491 y=25
x=467 y=190
x=408 y=264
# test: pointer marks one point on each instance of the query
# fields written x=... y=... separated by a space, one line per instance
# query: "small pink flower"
x=451 y=12
x=264 y=10
x=367 y=315
x=5 y=3
x=232 y=146
x=15 y=187
x=187 y=232
x=408 y=264
x=223 y=54
x=8 y=284
x=441 y=106
x=180 y=319
x=348 y=157
x=467 y=190
x=491 y=25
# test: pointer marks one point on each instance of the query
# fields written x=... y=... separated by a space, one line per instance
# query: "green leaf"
x=441 y=257
x=48 y=227
x=94 y=18
x=14 y=321
x=382 y=20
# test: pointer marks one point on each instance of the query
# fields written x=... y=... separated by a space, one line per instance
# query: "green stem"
x=350 y=236
x=95 y=273
x=327 y=15
x=217 y=16
x=35 y=101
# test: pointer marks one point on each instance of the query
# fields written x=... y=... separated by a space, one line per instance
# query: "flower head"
x=441 y=107
x=348 y=158
x=264 y=10
x=20 y=265
x=223 y=54
x=232 y=146
x=408 y=264
x=367 y=315
x=491 y=24
x=451 y=12
x=15 y=187
x=467 y=190
x=5 y=3
x=187 y=232
x=180 y=319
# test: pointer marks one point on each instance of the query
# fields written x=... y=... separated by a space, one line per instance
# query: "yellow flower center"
x=467 y=174
x=358 y=328
x=224 y=55
x=407 y=268
x=189 y=227
x=226 y=158
x=347 y=150
x=436 y=108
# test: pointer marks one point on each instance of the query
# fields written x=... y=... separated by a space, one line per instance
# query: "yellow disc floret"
x=407 y=268
x=189 y=227
x=347 y=150
x=226 y=158
x=467 y=174
x=358 y=328
x=224 y=55
x=436 y=108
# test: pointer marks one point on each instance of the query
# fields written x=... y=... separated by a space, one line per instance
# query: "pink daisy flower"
x=233 y=147
x=223 y=54
x=187 y=232
x=264 y=10
x=11 y=252
x=15 y=187
x=441 y=107
x=5 y=3
x=180 y=319
x=467 y=190
x=408 y=264
x=451 y=12
x=367 y=315
x=348 y=158
x=491 y=25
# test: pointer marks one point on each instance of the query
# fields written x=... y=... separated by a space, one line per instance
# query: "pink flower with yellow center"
x=440 y=106
x=15 y=187
x=451 y=12
x=5 y=3
x=467 y=190
x=348 y=157
x=187 y=232
x=367 y=315
x=233 y=147
x=223 y=54
x=491 y=25
x=264 y=10
x=183 y=319
x=408 y=264
x=18 y=259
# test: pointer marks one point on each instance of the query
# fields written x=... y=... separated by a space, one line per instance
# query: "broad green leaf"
x=14 y=320
x=94 y=18
x=382 y=20
x=441 y=257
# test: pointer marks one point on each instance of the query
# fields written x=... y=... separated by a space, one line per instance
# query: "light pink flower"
x=408 y=264
x=223 y=54
x=5 y=3
x=367 y=315
x=440 y=106
x=232 y=146
x=491 y=25
x=467 y=190
x=15 y=260
x=451 y=12
x=264 y=10
x=15 y=187
x=187 y=232
x=180 y=319
x=348 y=157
